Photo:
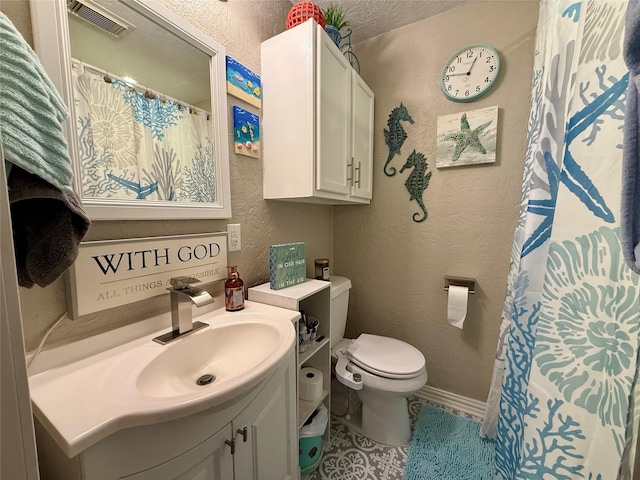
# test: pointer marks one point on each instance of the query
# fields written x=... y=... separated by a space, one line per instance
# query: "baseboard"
x=469 y=406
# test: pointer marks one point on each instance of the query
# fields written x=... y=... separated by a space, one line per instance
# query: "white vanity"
x=136 y=411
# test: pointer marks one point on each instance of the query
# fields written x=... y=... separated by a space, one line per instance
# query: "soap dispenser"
x=233 y=290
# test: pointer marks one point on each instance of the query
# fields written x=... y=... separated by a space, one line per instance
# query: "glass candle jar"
x=322 y=268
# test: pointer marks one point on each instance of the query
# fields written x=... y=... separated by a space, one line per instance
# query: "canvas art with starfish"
x=467 y=138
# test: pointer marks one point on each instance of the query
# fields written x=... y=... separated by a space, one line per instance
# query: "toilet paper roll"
x=309 y=384
x=457 y=306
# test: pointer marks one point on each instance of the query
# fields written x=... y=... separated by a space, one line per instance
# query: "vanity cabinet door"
x=266 y=432
x=211 y=460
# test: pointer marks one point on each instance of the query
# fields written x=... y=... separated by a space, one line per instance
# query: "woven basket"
x=303 y=11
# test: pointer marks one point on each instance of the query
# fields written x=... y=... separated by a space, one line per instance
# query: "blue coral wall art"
x=246 y=133
x=467 y=138
x=243 y=83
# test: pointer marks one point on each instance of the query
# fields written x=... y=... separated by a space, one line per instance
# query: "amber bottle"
x=233 y=290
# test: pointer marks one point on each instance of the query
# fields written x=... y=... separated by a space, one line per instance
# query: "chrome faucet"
x=182 y=296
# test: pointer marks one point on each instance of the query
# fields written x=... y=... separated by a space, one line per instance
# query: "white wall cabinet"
x=314 y=297
x=254 y=438
x=317 y=121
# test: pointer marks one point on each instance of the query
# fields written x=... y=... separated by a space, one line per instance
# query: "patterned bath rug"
x=448 y=447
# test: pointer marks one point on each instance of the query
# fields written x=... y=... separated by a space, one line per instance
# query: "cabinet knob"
x=357 y=182
x=350 y=171
x=243 y=432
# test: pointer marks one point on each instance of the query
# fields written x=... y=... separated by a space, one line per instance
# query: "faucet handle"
x=181 y=283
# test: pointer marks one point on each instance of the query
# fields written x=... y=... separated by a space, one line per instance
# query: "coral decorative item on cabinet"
x=303 y=11
x=317 y=121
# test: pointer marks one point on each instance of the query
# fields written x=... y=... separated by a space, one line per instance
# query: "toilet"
x=382 y=371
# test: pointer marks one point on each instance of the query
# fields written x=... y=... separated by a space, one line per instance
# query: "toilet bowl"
x=382 y=371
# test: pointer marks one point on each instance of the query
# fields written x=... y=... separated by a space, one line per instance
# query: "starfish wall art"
x=467 y=138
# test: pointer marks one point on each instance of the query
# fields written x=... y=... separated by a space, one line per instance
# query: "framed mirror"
x=146 y=92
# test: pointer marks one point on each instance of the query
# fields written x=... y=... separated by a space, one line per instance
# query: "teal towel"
x=31 y=111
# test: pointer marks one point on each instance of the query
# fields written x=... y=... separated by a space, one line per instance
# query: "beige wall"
x=396 y=265
x=240 y=26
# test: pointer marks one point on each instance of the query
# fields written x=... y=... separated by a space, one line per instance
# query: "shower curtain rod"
x=137 y=86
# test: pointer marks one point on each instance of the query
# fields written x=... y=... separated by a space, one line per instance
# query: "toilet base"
x=385 y=418
x=353 y=421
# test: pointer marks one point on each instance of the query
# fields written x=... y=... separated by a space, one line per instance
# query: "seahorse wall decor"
x=395 y=135
x=417 y=182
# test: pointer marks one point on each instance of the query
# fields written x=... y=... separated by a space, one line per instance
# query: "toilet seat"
x=386 y=357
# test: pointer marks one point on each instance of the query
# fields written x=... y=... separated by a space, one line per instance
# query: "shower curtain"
x=132 y=146
x=564 y=390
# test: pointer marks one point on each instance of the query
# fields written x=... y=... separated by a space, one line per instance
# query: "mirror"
x=146 y=92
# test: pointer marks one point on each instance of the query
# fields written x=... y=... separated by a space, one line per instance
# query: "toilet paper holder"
x=470 y=283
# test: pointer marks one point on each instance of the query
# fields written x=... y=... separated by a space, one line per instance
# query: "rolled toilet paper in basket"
x=309 y=384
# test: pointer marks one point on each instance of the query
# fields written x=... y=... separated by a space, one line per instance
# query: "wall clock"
x=470 y=73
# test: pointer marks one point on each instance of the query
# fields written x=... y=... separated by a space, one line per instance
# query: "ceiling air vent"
x=99 y=17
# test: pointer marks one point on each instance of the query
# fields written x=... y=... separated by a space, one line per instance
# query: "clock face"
x=470 y=73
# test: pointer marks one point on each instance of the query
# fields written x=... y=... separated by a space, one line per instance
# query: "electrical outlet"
x=235 y=239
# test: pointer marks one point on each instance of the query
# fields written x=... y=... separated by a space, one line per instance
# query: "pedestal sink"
x=143 y=382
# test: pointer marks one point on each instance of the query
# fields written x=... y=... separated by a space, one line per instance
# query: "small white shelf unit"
x=313 y=297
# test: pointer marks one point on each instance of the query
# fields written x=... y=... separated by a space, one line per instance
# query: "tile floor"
x=350 y=456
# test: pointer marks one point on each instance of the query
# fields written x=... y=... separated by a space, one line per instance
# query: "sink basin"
x=142 y=382
x=229 y=353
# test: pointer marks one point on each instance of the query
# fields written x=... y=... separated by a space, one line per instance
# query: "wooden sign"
x=287 y=264
x=113 y=273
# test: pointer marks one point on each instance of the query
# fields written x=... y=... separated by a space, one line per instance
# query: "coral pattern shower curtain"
x=135 y=147
x=572 y=311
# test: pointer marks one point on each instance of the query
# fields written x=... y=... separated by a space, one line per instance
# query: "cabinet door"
x=333 y=118
x=362 y=139
x=211 y=460
x=266 y=433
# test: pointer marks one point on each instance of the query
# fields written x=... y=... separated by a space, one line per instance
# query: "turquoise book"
x=287 y=264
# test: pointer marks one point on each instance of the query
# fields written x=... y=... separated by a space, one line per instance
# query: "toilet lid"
x=387 y=357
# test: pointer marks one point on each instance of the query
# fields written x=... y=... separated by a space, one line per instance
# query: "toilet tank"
x=340 y=287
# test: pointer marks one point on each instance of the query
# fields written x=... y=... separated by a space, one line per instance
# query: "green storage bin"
x=310 y=442
x=310 y=454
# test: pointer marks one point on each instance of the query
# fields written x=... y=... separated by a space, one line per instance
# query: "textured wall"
x=19 y=13
x=240 y=26
x=397 y=271
x=396 y=265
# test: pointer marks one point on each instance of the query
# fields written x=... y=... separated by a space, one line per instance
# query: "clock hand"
x=468 y=72
x=472 y=64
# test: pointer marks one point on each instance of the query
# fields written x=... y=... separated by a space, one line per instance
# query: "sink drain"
x=205 y=379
